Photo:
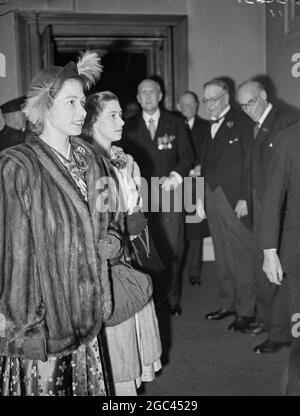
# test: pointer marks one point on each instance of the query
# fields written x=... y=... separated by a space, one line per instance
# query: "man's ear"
x=227 y=98
x=138 y=98
x=264 y=95
x=178 y=107
x=160 y=97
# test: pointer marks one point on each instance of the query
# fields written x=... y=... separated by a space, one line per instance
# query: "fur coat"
x=54 y=285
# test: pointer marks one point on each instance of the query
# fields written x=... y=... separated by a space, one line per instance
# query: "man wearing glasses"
x=223 y=167
x=271 y=300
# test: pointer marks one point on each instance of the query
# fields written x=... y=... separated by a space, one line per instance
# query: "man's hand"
x=241 y=209
x=170 y=183
x=272 y=266
x=200 y=209
x=196 y=171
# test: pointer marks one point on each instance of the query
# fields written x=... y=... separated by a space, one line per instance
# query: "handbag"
x=144 y=253
x=131 y=291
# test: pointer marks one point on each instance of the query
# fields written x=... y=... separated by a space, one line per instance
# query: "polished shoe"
x=269 y=346
x=195 y=280
x=218 y=315
x=241 y=323
x=255 y=328
x=175 y=310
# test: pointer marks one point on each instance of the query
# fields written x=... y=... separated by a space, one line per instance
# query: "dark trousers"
x=293 y=385
x=271 y=300
x=194 y=258
x=167 y=231
x=233 y=254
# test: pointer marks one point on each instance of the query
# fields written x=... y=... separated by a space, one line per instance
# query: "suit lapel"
x=161 y=126
x=143 y=132
x=223 y=134
x=266 y=129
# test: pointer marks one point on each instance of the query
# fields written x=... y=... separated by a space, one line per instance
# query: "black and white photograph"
x=149 y=200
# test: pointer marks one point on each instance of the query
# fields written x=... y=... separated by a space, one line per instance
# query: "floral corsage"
x=230 y=124
x=79 y=154
x=118 y=158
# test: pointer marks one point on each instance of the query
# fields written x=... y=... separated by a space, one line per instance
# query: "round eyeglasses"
x=250 y=103
x=212 y=100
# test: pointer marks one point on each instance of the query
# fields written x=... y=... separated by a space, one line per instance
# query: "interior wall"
x=9 y=83
x=280 y=49
x=226 y=38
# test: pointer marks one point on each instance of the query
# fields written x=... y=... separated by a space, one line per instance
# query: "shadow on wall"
x=271 y=90
x=232 y=88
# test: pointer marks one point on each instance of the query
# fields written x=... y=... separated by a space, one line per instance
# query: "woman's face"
x=67 y=114
x=109 y=125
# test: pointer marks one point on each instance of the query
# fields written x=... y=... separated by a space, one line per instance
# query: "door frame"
x=167 y=30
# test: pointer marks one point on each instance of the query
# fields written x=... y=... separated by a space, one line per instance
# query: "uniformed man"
x=14 y=129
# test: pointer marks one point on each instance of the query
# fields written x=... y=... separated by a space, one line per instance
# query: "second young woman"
x=134 y=345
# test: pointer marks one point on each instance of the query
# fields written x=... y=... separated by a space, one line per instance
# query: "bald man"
x=158 y=141
x=271 y=300
x=223 y=167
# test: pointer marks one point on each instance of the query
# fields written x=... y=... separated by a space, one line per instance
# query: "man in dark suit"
x=197 y=128
x=158 y=141
x=223 y=167
x=271 y=300
x=13 y=131
x=284 y=177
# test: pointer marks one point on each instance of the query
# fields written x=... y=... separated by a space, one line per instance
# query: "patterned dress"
x=77 y=374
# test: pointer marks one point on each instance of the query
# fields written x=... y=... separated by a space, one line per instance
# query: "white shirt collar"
x=191 y=122
x=265 y=114
x=154 y=116
x=223 y=114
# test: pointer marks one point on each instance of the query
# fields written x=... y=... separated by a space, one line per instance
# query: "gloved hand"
x=170 y=183
x=110 y=247
x=136 y=223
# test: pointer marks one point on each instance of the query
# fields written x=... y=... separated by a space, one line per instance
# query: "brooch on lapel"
x=270 y=144
x=119 y=158
x=165 y=142
x=264 y=129
x=230 y=124
x=79 y=154
x=234 y=140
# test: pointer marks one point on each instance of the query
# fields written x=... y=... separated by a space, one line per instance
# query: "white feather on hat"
x=46 y=84
x=38 y=102
x=89 y=67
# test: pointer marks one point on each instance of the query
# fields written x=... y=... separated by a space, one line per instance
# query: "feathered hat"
x=47 y=83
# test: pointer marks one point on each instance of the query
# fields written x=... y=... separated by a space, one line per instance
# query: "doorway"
x=132 y=47
x=122 y=72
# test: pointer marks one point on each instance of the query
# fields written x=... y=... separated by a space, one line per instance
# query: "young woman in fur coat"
x=54 y=288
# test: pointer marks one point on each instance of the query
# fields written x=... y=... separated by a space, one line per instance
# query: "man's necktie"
x=213 y=121
x=214 y=126
x=256 y=129
x=151 y=128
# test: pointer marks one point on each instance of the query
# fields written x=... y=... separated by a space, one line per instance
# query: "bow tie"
x=216 y=121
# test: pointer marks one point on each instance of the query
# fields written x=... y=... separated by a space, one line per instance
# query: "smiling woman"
x=55 y=296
